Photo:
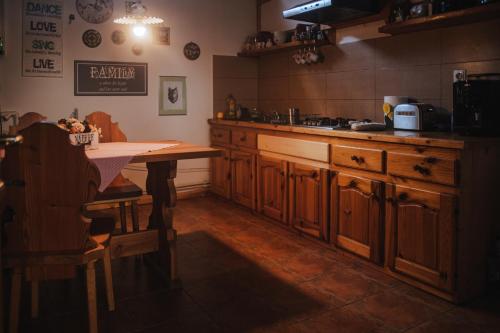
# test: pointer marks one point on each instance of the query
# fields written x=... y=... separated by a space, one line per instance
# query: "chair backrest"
x=54 y=179
x=27 y=120
x=110 y=132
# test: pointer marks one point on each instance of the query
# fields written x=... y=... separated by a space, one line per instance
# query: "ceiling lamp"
x=136 y=16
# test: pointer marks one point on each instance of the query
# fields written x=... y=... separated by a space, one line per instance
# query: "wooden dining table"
x=159 y=240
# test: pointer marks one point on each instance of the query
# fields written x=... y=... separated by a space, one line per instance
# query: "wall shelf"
x=458 y=17
x=282 y=48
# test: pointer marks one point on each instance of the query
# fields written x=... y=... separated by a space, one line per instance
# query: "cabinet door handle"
x=347 y=212
x=443 y=276
x=430 y=160
x=358 y=159
x=422 y=170
x=314 y=174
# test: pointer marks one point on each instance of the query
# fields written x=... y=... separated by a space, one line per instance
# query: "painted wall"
x=218 y=26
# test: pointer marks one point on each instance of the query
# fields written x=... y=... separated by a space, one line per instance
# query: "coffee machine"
x=476 y=104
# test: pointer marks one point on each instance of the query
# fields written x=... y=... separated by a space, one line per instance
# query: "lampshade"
x=136 y=15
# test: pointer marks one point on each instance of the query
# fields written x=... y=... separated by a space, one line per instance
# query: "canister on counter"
x=390 y=102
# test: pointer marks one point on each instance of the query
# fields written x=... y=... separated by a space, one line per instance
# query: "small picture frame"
x=161 y=35
x=173 y=100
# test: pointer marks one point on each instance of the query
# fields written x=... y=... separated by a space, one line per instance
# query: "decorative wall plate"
x=118 y=37
x=95 y=11
x=192 y=51
x=137 y=49
x=92 y=38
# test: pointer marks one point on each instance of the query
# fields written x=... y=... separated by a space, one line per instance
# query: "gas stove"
x=329 y=123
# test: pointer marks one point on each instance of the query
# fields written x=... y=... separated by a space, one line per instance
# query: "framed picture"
x=161 y=35
x=173 y=95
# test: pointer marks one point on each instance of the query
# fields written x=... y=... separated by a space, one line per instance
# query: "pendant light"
x=136 y=16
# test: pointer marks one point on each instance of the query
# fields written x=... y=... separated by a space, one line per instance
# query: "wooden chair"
x=50 y=180
x=121 y=190
x=27 y=120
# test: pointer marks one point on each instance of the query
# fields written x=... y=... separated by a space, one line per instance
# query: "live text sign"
x=100 y=78
x=42 y=38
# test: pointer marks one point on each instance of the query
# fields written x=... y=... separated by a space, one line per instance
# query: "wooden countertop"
x=432 y=139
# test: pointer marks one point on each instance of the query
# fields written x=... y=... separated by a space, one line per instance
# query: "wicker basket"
x=90 y=140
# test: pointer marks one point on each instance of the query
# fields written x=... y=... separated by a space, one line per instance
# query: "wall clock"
x=92 y=38
x=95 y=11
x=192 y=51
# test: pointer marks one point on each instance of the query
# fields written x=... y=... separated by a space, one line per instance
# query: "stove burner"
x=325 y=122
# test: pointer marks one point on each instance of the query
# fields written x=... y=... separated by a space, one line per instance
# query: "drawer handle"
x=403 y=196
x=430 y=160
x=359 y=160
x=352 y=183
x=422 y=170
x=314 y=174
x=243 y=138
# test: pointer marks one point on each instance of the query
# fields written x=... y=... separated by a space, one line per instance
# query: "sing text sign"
x=99 y=78
x=42 y=38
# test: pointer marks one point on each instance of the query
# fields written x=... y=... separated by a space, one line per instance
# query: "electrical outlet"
x=459 y=75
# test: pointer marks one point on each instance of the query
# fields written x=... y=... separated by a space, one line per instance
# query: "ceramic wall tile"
x=350 y=109
x=239 y=88
x=234 y=67
x=274 y=65
x=472 y=42
x=311 y=86
x=351 y=85
x=273 y=88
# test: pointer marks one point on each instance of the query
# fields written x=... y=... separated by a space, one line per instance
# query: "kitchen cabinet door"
x=357 y=216
x=420 y=235
x=271 y=188
x=308 y=199
x=220 y=174
x=242 y=178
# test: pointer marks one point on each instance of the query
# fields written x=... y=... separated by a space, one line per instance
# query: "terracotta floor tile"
x=394 y=310
x=241 y=273
x=338 y=321
x=347 y=285
x=446 y=323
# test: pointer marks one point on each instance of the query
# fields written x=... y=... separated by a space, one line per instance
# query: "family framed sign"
x=101 y=78
x=42 y=38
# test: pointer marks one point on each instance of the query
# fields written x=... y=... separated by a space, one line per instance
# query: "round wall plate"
x=137 y=49
x=118 y=37
x=93 y=11
x=92 y=38
x=192 y=51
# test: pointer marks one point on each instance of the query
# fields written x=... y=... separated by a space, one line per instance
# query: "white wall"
x=218 y=26
x=272 y=20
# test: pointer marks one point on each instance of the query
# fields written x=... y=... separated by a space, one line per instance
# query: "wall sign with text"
x=100 y=78
x=42 y=38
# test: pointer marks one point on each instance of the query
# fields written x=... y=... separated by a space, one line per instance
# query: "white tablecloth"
x=111 y=158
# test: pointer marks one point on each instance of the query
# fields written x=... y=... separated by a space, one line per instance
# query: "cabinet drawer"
x=358 y=158
x=220 y=136
x=439 y=170
x=246 y=139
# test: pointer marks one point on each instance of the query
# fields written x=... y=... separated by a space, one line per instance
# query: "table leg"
x=160 y=184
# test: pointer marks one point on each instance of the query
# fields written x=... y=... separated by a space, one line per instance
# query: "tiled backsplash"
x=355 y=77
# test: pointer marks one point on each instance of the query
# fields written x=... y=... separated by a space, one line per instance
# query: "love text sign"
x=42 y=38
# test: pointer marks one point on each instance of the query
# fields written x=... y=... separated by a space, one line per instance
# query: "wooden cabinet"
x=357 y=215
x=420 y=235
x=220 y=174
x=220 y=136
x=272 y=188
x=242 y=178
x=308 y=199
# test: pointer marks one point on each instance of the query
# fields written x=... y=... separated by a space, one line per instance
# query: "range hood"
x=331 y=11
